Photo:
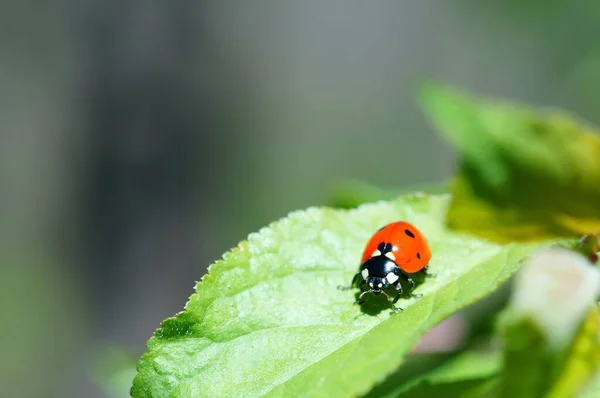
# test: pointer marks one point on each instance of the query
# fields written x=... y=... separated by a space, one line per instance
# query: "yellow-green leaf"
x=582 y=359
x=525 y=173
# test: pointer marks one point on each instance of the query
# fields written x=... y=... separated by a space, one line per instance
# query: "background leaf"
x=113 y=369
x=350 y=194
x=593 y=388
x=268 y=318
x=551 y=329
x=581 y=360
x=470 y=370
x=475 y=388
x=524 y=173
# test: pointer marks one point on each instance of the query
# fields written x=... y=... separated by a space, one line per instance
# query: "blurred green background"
x=142 y=139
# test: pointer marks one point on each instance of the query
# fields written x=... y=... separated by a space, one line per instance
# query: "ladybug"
x=396 y=251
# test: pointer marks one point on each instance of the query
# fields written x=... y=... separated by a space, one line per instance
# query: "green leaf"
x=524 y=173
x=476 y=388
x=581 y=360
x=592 y=390
x=527 y=361
x=268 y=319
x=533 y=369
x=422 y=373
x=351 y=194
x=466 y=366
x=551 y=329
x=113 y=370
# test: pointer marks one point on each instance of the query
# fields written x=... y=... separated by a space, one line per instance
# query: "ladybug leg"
x=355 y=279
x=398 y=288
x=411 y=285
x=426 y=272
x=364 y=291
x=360 y=300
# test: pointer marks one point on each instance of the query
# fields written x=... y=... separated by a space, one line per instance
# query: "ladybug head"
x=376 y=284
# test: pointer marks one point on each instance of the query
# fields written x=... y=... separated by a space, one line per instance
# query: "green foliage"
x=475 y=388
x=593 y=388
x=465 y=372
x=527 y=353
x=113 y=369
x=351 y=194
x=268 y=318
x=551 y=330
x=524 y=173
x=580 y=361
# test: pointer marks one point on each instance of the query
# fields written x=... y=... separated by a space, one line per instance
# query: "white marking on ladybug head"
x=391 y=256
x=391 y=277
x=379 y=285
x=365 y=273
x=371 y=284
x=376 y=253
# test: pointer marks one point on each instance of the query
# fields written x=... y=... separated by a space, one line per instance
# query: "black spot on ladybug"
x=384 y=247
x=407 y=232
x=418 y=255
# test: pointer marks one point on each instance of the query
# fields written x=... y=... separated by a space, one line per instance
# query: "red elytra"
x=409 y=246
